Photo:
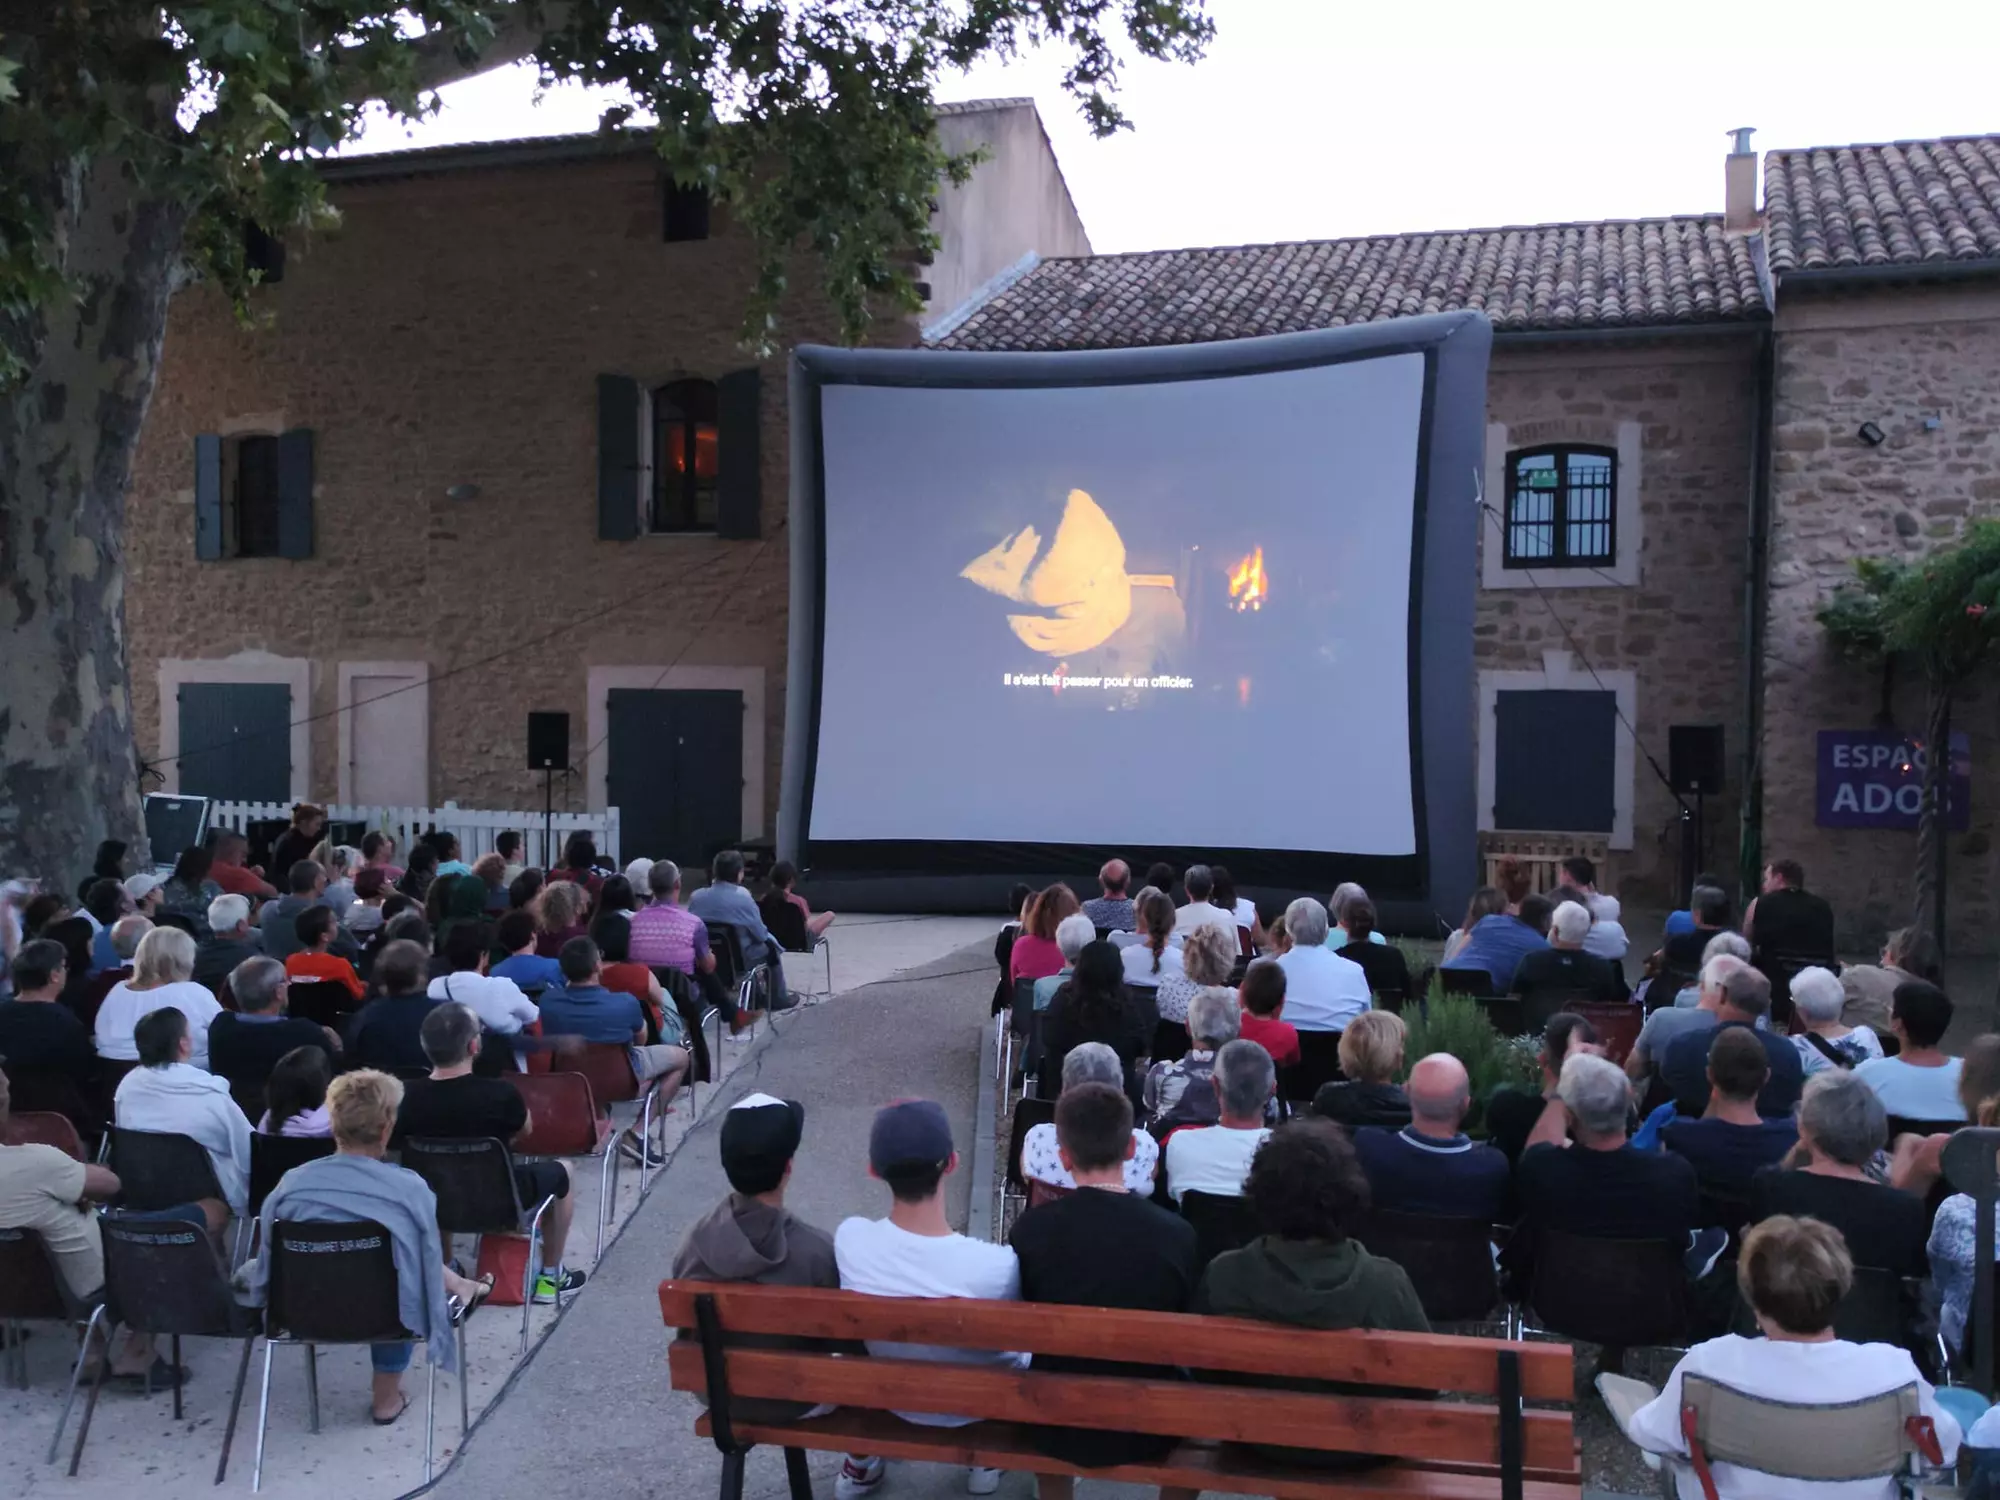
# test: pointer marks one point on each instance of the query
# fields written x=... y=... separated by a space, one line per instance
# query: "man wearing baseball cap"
x=916 y=1253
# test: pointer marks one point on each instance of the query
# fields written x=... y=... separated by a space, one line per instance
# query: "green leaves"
x=1943 y=608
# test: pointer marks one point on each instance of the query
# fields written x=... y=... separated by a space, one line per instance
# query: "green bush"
x=1456 y=1024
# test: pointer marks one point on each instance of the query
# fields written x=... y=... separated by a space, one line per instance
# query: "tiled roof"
x=1638 y=274
x=1900 y=204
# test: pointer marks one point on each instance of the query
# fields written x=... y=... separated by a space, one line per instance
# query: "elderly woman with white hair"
x=1323 y=991
x=1722 y=945
x=1207 y=959
x=162 y=974
x=1343 y=893
x=1074 y=933
x=1180 y=1092
x=1818 y=997
x=1088 y=1062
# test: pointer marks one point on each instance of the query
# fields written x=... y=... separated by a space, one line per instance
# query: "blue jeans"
x=390 y=1359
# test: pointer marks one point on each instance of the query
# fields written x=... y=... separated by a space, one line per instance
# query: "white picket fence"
x=476 y=828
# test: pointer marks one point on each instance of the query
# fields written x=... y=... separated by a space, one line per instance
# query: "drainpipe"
x=1756 y=596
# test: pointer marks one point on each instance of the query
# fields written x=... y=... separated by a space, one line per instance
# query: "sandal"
x=461 y=1309
x=392 y=1419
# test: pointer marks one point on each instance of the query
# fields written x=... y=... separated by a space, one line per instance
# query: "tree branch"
x=441 y=59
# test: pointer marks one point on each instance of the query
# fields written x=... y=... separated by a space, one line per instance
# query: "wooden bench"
x=1447 y=1449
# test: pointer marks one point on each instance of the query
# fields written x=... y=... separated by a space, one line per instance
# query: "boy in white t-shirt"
x=915 y=1253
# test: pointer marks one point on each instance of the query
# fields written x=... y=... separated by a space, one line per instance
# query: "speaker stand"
x=548 y=810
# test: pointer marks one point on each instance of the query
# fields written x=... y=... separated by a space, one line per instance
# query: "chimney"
x=1739 y=184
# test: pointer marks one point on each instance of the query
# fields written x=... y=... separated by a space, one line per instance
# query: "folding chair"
x=563 y=1120
x=45 y=1091
x=1618 y=1024
x=1028 y=1113
x=1024 y=1026
x=165 y=1278
x=159 y=1169
x=1319 y=1064
x=609 y=1070
x=1221 y=1223
x=1623 y=1294
x=736 y=971
x=477 y=1195
x=694 y=1016
x=787 y=924
x=336 y=1284
x=32 y=1290
x=1449 y=1261
x=37 y=1128
x=272 y=1156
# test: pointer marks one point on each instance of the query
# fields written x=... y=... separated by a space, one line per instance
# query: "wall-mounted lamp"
x=462 y=492
x=1872 y=435
x=1933 y=423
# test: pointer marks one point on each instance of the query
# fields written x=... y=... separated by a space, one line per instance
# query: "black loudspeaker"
x=548 y=742
x=1694 y=758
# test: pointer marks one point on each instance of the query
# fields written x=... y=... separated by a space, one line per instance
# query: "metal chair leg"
x=235 y=1407
x=175 y=1357
x=76 y=1375
x=798 y=1478
x=312 y=1384
x=263 y=1421
x=607 y=1193
x=464 y=1390
x=430 y=1417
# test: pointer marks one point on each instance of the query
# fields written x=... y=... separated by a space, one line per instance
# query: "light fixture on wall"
x=462 y=492
x=1872 y=435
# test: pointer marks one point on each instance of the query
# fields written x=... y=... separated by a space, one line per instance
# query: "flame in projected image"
x=1248 y=588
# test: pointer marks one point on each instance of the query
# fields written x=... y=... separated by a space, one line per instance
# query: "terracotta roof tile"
x=1639 y=273
x=1901 y=204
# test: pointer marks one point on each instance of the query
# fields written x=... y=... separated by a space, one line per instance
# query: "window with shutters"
x=1562 y=507
x=250 y=504
x=686 y=449
x=253 y=495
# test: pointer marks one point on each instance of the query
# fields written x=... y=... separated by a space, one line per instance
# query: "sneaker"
x=859 y=1477
x=981 y=1481
x=551 y=1284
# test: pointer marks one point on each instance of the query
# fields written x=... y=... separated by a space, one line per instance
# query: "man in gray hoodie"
x=751 y=1236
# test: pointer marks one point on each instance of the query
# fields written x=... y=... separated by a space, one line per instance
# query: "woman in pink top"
x=1035 y=954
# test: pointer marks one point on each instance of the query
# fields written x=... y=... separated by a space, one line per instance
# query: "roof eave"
x=1598 y=333
x=1898 y=273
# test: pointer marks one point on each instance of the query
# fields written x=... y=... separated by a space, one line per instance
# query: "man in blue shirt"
x=1740 y=997
x=1430 y=1166
x=583 y=1007
x=522 y=964
x=723 y=899
x=1498 y=943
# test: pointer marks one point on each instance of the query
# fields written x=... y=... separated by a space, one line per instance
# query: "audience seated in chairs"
x=1387 y=971
x=524 y=888
x=387 y=1032
x=1669 y=1023
x=231 y=940
x=666 y=935
x=1741 y=1000
x=1096 y=1006
x=1730 y=1142
x=1153 y=956
x=1222 y=896
x=785 y=875
x=524 y=968
x=1685 y=950
x=559 y=910
x=1499 y=943
x=1827 y=1041
x=314 y=962
x=127 y=933
x=1035 y=953
x=1088 y=1064
x=363 y=917
x=1916 y=1163
x=244 y=1045
x=1104 y=1245
x=1208 y=957
x=1340 y=934
x=499 y=1003
x=1073 y=934
x=355 y=1183
x=168 y=1095
x=1841 y=1127
x=1199 y=883
x=295 y=1095
x=1920 y=1082
x=1179 y=1093
x=617 y=973
x=1869 y=990
x=584 y=1008
x=1512 y=1112
x=1486 y=902
x=1787 y=921
x=1431 y=1166
x=1262 y=995
x=456 y=1104
x=1793 y=1273
x=104 y=902
x=1951 y=1240
x=1371 y=1055
x=1323 y=990
x=188 y=892
x=161 y=973
x=37 y=1034
x=278 y=921
x=1549 y=978
x=751 y=1236
x=1214 y=1158
x=1607 y=939
x=723 y=899
x=1111 y=910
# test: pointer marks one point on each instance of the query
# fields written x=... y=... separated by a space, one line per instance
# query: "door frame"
x=294 y=672
x=749 y=681
x=1559 y=672
x=420 y=671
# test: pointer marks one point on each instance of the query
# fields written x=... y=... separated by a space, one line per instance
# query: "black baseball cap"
x=909 y=1133
x=760 y=1134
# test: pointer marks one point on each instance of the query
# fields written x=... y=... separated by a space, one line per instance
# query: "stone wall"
x=1679 y=631
x=1894 y=357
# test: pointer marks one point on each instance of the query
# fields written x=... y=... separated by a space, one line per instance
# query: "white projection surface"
x=1170 y=612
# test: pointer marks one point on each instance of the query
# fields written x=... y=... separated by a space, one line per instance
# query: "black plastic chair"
x=1170 y=1041
x=336 y=1284
x=322 y=1002
x=477 y=1194
x=787 y=924
x=1623 y=1294
x=272 y=1156
x=48 y=1091
x=164 y=1277
x=1506 y=1013
x=1024 y=1030
x=1028 y=1113
x=1319 y=1064
x=1465 y=981
x=159 y=1169
x=1449 y=1261
x=32 y=1290
x=736 y=970
x=1220 y=1222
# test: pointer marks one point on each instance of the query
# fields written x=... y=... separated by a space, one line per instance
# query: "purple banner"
x=1874 y=778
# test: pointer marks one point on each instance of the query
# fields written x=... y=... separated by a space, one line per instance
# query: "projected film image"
x=1045 y=605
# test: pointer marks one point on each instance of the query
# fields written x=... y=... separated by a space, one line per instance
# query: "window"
x=683 y=212
x=1562 y=507
x=684 y=457
x=253 y=494
x=252 y=511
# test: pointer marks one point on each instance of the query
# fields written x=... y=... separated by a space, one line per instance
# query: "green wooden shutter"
x=739 y=474
x=618 y=407
x=295 y=493
x=208 y=497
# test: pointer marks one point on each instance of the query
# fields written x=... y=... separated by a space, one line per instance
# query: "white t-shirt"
x=877 y=1257
x=499 y=1003
x=1912 y=1092
x=1823 y=1374
x=124 y=1007
x=1210 y=1158
x=1039 y=1160
x=1138 y=961
x=1197 y=913
x=1246 y=913
x=1323 y=991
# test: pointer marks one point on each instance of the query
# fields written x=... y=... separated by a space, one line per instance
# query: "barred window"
x=684 y=457
x=1561 y=507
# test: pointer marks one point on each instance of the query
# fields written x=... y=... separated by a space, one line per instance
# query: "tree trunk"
x=69 y=773
x=1929 y=913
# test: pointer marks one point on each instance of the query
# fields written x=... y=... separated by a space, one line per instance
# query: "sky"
x=1315 y=119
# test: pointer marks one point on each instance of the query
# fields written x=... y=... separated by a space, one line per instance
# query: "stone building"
x=445 y=482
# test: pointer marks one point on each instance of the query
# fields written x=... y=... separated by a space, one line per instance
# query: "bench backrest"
x=1282 y=1409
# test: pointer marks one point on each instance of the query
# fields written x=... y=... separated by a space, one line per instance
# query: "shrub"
x=1456 y=1024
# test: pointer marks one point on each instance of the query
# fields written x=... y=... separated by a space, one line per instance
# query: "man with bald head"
x=1430 y=1166
x=1112 y=911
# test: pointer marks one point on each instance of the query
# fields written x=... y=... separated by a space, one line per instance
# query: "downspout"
x=1757 y=580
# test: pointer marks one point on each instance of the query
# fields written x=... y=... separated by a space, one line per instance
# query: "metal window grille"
x=1562 y=507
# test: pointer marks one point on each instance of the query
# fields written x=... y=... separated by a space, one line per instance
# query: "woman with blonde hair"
x=1154 y=957
x=559 y=910
x=1207 y=958
x=162 y=974
x=1371 y=1055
